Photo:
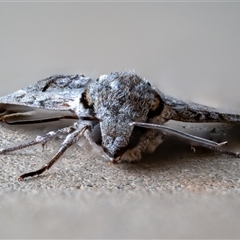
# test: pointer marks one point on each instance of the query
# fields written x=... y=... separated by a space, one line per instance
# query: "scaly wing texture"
x=178 y=110
x=52 y=93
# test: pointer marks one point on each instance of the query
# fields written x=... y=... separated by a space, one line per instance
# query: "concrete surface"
x=173 y=193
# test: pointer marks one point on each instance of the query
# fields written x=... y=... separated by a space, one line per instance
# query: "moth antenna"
x=165 y=129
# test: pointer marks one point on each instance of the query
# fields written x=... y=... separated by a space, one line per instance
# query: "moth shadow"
x=178 y=153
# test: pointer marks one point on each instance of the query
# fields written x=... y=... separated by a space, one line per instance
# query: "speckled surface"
x=173 y=193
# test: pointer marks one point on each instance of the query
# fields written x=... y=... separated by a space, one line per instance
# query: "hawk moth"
x=120 y=114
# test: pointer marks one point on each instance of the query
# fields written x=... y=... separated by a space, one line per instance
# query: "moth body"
x=120 y=114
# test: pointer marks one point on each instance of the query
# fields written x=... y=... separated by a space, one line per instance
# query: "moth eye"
x=157 y=108
x=85 y=100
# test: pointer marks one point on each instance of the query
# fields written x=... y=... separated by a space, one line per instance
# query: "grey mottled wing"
x=53 y=93
x=175 y=109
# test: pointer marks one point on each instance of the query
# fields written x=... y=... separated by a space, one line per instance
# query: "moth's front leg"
x=147 y=144
x=68 y=142
x=38 y=140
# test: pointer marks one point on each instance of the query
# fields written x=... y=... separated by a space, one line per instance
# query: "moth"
x=120 y=114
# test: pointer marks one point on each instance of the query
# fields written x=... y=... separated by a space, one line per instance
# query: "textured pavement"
x=174 y=193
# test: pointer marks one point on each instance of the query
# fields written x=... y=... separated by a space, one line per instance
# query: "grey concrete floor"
x=173 y=193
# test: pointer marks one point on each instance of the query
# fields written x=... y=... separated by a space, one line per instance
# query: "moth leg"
x=40 y=139
x=68 y=142
x=217 y=149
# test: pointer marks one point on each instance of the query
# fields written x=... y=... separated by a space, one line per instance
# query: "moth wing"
x=53 y=93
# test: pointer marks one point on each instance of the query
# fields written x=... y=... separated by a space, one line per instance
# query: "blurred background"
x=190 y=50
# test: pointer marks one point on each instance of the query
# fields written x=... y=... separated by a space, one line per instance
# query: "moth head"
x=119 y=99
